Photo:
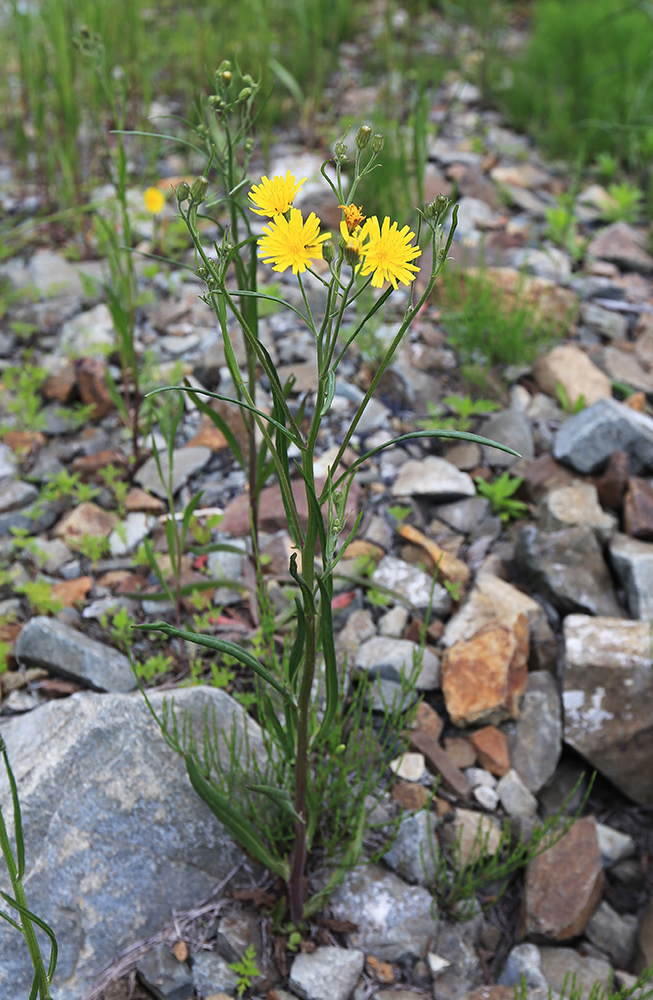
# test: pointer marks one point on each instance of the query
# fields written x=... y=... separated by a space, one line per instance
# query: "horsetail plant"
x=302 y=699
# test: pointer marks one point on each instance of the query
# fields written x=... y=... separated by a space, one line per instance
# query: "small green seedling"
x=464 y=409
x=500 y=493
x=399 y=513
x=246 y=970
x=625 y=203
x=565 y=402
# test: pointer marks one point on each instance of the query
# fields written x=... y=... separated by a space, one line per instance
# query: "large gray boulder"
x=587 y=440
x=115 y=836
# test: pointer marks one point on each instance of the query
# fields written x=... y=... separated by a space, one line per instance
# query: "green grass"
x=584 y=83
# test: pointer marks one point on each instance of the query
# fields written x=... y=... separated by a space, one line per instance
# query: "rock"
x=515 y=796
x=613 y=934
x=95 y=781
x=638 y=509
x=622 y=245
x=85 y=519
x=394 y=920
x=587 y=440
x=51 y=555
x=127 y=535
x=165 y=976
x=492 y=602
x=605 y=322
x=139 y=500
x=524 y=175
x=563 y=885
x=473 y=215
x=614 y=845
x=464 y=515
x=611 y=485
x=272 y=514
x=414 y=850
x=212 y=975
x=185 y=463
x=541 y=475
x=7 y=462
x=473 y=184
x=550 y=263
x=492 y=750
x=412 y=585
x=484 y=677
x=475 y=833
x=623 y=366
x=608 y=700
x=524 y=961
x=576 y=504
x=567 y=567
x=326 y=973
x=410 y=767
x=53 y=276
x=432 y=476
x=510 y=427
x=91 y=374
x=456 y=944
x=465 y=455
x=410 y=795
x=89 y=335
x=536 y=745
x=447 y=566
x=460 y=752
x=16 y=494
x=393 y=622
x=487 y=798
x=389 y=658
x=44 y=642
x=563 y=964
x=70 y=592
x=632 y=562
x=440 y=763
x=550 y=302
x=644 y=955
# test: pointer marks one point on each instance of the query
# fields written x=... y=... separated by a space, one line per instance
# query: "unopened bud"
x=363 y=136
x=377 y=142
x=437 y=208
x=182 y=191
x=341 y=152
x=198 y=190
x=248 y=145
x=245 y=93
x=328 y=251
x=248 y=81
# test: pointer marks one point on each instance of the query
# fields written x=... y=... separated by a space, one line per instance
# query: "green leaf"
x=330 y=392
x=280 y=797
x=234 y=821
x=329 y=653
x=298 y=645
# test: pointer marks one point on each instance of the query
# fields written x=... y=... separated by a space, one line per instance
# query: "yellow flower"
x=388 y=253
x=352 y=243
x=274 y=197
x=353 y=216
x=292 y=242
x=154 y=200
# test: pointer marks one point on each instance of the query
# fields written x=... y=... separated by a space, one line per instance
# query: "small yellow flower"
x=353 y=216
x=352 y=243
x=154 y=200
x=292 y=242
x=388 y=253
x=274 y=197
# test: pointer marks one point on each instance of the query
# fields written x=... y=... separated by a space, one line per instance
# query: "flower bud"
x=328 y=251
x=363 y=136
x=352 y=253
x=198 y=190
x=248 y=81
x=377 y=143
x=245 y=93
x=341 y=152
x=182 y=191
x=436 y=209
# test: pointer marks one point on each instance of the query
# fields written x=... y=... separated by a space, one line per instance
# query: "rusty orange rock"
x=69 y=592
x=484 y=677
x=492 y=750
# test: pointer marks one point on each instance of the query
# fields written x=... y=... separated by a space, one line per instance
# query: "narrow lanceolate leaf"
x=329 y=653
x=280 y=797
x=330 y=392
x=234 y=820
x=221 y=646
x=298 y=645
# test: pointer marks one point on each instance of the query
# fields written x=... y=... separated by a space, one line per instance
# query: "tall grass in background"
x=167 y=50
x=584 y=83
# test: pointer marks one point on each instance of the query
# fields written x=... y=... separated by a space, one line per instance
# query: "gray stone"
x=25 y=519
x=510 y=427
x=587 y=440
x=568 y=568
x=536 y=744
x=524 y=961
x=515 y=796
x=211 y=974
x=165 y=976
x=7 y=461
x=390 y=658
x=236 y=932
x=393 y=622
x=394 y=920
x=44 y=642
x=622 y=366
x=53 y=276
x=614 y=845
x=464 y=515
x=16 y=494
x=560 y=964
x=326 y=973
x=632 y=562
x=185 y=463
x=575 y=504
x=492 y=601
x=551 y=263
x=613 y=934
x=432 y=476
x=130 y=533
x=386 y=694
x=608 y=700
x=412 y=585
x=473 y=215
x=456 y=943
x=414 y=849
x=51 y=555
x=624 y=246
x=606 y=322
x=90 y=334
x=117 y=838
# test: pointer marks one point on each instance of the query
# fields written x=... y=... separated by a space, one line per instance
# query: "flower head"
x=292 y=242
x=353 y=216
x=388 y=253
x=274 y=197
x=154 y=200
x=352 y=243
